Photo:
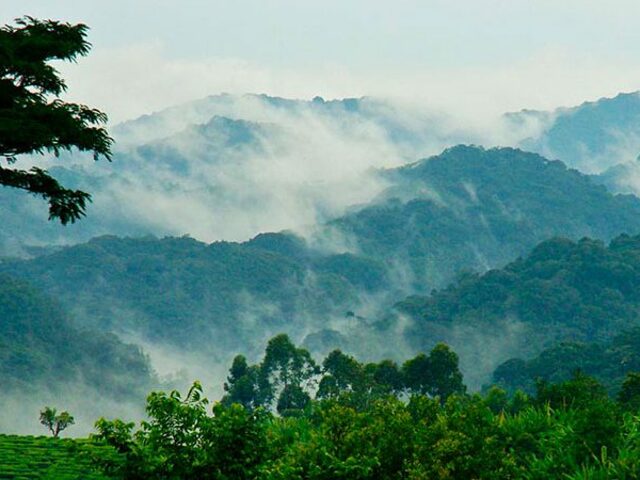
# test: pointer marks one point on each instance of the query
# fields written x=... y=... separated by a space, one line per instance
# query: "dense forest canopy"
x=608 y=362
x=562 y=291
x=473 y=209
x=186 y=292
x=468 y=209
x=42 y=348
x=367 y=421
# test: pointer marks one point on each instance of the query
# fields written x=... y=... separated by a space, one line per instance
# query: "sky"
x=475 y=57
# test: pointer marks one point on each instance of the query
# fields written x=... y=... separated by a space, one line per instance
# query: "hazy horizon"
x=473 y=59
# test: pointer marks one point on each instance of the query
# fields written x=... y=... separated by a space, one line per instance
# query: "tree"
x=387 y=377
x=417 y=375
x=578 y=392
x=292 y=400
x=446 y=378
x=283 y=377
x=342 y=373
x=242 y=384
x=629 y=395
x=181 y=440
x=288 y=369
x=34 y=120
x=435 y=375
x=55 y=423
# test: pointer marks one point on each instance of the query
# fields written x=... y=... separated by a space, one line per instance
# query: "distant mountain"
x=561 y=291
x=230 y=167
x=591 y=137
x=621 y=178
x=474 y=209
x=413 y=129
x=144 y=189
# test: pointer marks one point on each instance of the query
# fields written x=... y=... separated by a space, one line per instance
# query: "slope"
x=41 y=346
x=609 y=362
x=562 y=291
x=474 y=209
x=592 y=137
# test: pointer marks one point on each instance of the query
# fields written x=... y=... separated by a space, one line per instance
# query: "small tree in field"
x=55 y=422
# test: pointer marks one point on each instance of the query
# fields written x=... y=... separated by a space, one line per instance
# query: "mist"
x=21 y=410
x=230 y=167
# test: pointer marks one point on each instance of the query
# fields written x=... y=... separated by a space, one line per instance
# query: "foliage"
x=54 y=421
x=568 y=430
x=283 y=376
x=41 y=347
x=613 y=363
x=436 y=375
x=571 y=429
x=33 y=119
x=182 y=442
x=563 y=291
x=629 y=395
x=469 y=209
x=190 y=293
x=290 y=377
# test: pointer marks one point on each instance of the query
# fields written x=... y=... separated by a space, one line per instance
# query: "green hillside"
x=202 y=156
x=562 y=291
x=592 y=136
x=608 y=362
x=41 y=347
x=45 y=458
x=468 y=209
x=473 y=209
x=186 y=292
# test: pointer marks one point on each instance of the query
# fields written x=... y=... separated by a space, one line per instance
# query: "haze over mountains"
x=323 y=216
x=591 y=137
x=229 y=167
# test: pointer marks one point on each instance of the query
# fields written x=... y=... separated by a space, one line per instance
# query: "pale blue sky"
x=514 y=53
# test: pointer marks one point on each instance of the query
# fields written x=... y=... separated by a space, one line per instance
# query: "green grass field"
x=27 y=458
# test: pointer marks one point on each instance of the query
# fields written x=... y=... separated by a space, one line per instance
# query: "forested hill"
x=241 y=165
x=473 y=209
x=185 y=170
x=238 y=164
x=466 y=209
x=185 y=292
x=563 y=291
x=41 y=350
x=411 y=129
x=592 y=136
x=609 y=362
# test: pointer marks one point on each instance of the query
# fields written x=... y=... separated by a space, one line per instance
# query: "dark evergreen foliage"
x=470 y=209
x=33 y=119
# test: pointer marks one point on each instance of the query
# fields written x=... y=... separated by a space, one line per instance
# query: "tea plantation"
x=30 y=458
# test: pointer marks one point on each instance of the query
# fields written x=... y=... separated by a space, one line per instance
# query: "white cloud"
x=131 y=81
